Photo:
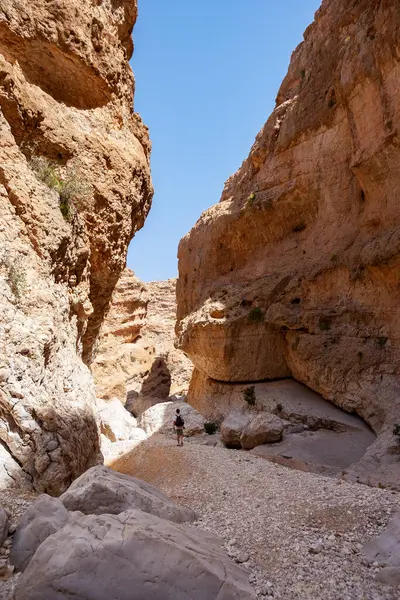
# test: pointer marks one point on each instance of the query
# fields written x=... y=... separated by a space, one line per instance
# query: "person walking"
x=179 y=425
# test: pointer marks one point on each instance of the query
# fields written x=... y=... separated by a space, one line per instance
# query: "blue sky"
x=207 y=74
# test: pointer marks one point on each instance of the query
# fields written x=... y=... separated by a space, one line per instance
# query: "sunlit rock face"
x=136 y=353
x=296 y=270
x=74 y=187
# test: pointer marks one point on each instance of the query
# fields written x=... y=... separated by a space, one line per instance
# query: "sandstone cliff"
x=136 y=352
x=74 y=188
x=296 y=270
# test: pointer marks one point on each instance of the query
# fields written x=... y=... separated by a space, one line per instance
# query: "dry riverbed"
x=299 y=534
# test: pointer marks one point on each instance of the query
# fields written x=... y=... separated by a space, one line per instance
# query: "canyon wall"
x=135 y=355
x=74 y=187
x=296 y=272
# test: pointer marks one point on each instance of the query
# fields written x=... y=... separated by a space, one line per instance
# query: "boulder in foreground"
x=101 y=490
x=132 y=556
x=46 y=516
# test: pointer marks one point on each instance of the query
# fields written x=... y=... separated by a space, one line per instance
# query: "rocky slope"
x=74 y=188
x=136 y=350
x=296 y=271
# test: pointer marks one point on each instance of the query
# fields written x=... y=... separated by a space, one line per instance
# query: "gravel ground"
x=299 y=534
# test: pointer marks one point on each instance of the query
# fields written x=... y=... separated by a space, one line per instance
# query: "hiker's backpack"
x=179 y=422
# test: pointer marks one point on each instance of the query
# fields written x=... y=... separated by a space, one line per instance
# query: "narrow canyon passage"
x=275 y=352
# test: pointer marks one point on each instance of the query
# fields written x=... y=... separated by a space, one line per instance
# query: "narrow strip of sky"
x=207 y=74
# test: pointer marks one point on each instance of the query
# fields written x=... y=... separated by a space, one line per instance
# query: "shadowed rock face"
x=66 y=94
x=296 y=270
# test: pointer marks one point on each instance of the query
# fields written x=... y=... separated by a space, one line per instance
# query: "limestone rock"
x=116 y=423
x=116 y=554
x=102 y=490
x=3 y=525
x=46 y=516
x=385 y=549
x=302 y=253
x=114 y=450
x=160 y=417
x=74 y=188
x=136 y=352
x=263 y=429
x=389 y=576
x=232 y=428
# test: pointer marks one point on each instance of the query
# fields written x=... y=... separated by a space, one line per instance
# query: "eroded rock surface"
x=296 y=270
x=136 y=356
x=74 y=187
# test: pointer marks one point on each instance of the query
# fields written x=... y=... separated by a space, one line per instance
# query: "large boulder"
x=3 y=525
x=114 y=450
x=232 y=428
x=101 y=490
x=116 y=422
x=385 y=549
x=263 y=429
x=132 y=555
x=160 y=417
x=46 y=516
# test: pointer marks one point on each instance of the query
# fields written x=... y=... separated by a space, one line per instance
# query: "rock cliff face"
x=136 y=352
x=296 y=270
x=74 y=188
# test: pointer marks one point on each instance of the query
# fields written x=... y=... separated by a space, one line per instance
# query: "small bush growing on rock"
x=396 y=431
x=279 y=407
x=71 y=189
x=256 y=315
x=249 y=395
x=17 y=279
x=210 y=428
x=45 y=171
x=382 y=341
x=251 y=198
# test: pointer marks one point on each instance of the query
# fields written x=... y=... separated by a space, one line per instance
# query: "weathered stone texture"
x=66 y=92
x=296 y=270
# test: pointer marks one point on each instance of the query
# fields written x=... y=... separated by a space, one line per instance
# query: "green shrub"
x=17 y=279
x=72 y=189
x=256 y=315
x=45 y=171
x=210 y=428
x=251 y=198
x=382 y=341
x=249 y=395
x=279 y=407
x=396 y=431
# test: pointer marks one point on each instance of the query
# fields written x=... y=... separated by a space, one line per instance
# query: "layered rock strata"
x=136 y=353
x=74 y=188
x=296 y=270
